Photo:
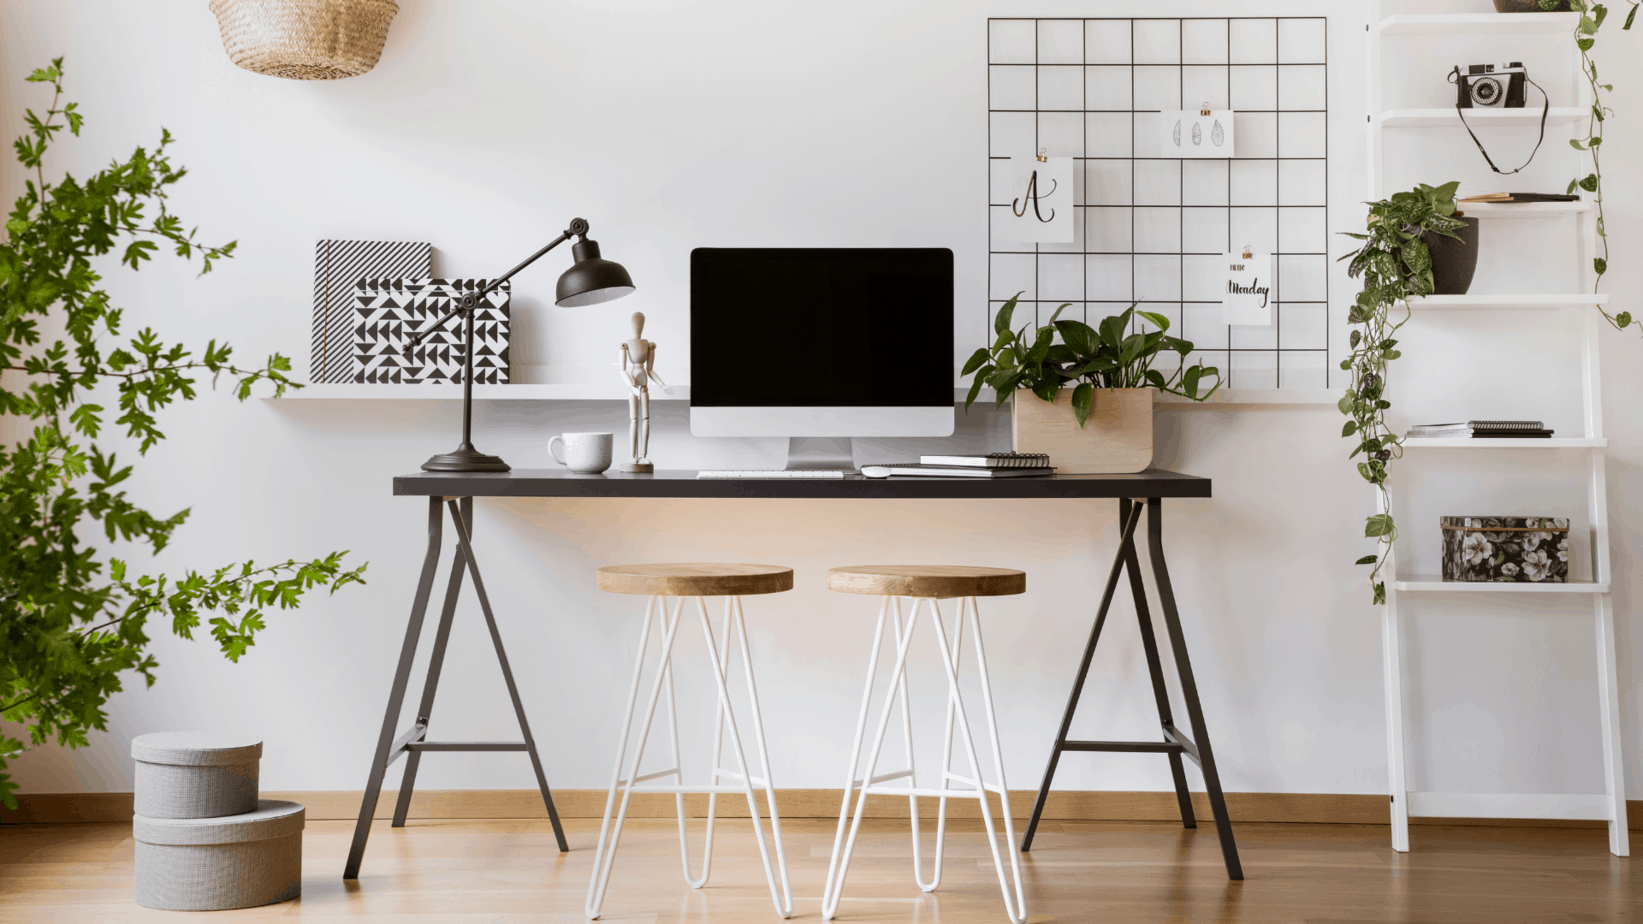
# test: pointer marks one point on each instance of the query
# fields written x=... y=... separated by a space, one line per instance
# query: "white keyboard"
x=775 y=473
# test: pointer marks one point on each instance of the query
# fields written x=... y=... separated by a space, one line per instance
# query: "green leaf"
x=975 y=389
x=1001 y=321
x=1367 y=560
x=1378 y=525
x=1623 y=319
x=1350 y=428
x=1380 y=594
x=977 y=359
x=1629 y=17
x=1083 y=400
x=1576 y=144
x=1601 y=265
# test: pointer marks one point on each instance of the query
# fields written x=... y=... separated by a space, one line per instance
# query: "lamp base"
x=465 y=459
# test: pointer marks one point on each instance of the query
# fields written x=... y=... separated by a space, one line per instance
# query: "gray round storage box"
x=195 y=774
x=213 y=864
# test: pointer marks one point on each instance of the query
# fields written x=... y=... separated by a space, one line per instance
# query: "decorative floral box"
x=1506 y=549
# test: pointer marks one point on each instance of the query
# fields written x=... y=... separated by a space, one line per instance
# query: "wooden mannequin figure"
x=639 y=368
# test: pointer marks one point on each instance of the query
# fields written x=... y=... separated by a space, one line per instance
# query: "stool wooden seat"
x=696 y=580
x=939 y=581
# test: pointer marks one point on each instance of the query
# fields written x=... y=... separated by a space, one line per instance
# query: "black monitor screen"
x=821 y=327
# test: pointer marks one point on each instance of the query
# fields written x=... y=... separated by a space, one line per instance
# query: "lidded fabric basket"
x=305 y=39
x=213 y=864
x=1509 y=550
x=195 y=774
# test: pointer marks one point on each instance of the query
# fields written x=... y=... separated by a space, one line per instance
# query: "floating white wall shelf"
x=1479 y=24
x=1514 y=300
x=1432 y=442
x=1436 y=583
x=1609 y=806
x=1479 y=118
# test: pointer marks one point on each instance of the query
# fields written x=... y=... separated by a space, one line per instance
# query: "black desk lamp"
x=589 y=281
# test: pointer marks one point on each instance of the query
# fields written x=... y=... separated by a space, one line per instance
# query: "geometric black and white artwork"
x=388 y=312
x=338 y=267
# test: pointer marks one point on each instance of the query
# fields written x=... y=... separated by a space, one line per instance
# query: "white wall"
x=672 y=125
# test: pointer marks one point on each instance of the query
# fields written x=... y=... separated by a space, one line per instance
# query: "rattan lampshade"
x=305 y=39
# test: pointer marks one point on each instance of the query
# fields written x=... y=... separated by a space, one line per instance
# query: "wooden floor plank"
x=508 y=872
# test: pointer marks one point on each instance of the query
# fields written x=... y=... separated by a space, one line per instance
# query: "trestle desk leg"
x=1189 y=688
x=396 y=696
x=1128 y=516
x=463 y=537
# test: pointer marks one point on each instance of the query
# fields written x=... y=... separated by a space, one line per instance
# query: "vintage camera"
x=1490 y=86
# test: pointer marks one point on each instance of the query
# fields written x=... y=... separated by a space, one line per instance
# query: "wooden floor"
x=503 y=871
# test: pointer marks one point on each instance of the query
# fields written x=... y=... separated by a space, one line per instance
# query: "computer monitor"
x=821 y=342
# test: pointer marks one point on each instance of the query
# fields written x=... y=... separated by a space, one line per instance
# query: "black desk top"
x=558 y=482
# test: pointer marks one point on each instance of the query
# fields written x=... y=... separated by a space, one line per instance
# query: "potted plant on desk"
x=1096 y=387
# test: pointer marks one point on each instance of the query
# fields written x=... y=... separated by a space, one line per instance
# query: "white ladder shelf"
x=1610 y=805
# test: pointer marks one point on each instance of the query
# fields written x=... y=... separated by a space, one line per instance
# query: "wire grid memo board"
x=1153 y=228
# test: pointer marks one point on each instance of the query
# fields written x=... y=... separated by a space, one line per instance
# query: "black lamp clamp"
x=590 y=281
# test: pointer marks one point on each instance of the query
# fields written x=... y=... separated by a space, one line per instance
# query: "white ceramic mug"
x=587 y=453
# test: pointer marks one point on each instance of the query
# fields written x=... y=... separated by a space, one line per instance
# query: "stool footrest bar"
x=935 y=793
x=671 y=771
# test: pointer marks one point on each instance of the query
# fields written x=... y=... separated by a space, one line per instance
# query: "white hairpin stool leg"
x=1016 y=910
x=781 y=896
x=855 y=748
x=610 y=836
x=696 y=882
x=839 y=866
x=998 y=761
x=764 y=755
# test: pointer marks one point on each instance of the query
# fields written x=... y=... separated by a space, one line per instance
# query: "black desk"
x=454 y=493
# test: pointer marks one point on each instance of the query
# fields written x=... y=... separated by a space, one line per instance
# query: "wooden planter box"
x=1116 y=440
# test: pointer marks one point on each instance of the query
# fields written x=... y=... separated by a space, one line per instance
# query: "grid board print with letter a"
x=1154 y=228
x=338 y=267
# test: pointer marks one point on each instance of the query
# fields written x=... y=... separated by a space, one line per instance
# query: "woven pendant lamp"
x=305 y=39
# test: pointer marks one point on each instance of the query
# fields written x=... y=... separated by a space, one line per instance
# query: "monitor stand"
x=820 y=453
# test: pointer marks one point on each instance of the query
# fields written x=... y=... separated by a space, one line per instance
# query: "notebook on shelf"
x=888 y=469
x=991 y=460
x=1483 y=429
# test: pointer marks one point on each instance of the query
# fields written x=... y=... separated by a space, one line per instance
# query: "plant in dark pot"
x=1106 y=375
x=1396 y=264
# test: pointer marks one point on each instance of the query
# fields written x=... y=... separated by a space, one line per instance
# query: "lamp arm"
x=578 y=226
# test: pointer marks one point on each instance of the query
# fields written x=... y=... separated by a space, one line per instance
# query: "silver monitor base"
x=820 y=454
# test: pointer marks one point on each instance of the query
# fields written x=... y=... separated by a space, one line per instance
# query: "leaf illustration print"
x=1197 y=133
x=1217 y=134
x=1177 y=135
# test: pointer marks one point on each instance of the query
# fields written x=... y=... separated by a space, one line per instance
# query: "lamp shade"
x=591 y=279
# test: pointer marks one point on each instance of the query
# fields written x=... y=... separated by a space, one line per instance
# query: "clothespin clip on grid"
x=1041 y=158
x=1249 y=252
x=1204 y=109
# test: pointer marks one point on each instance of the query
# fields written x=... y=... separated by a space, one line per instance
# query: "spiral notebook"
x=991 y=460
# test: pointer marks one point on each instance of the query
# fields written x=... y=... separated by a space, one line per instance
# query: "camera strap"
x=1545 y=109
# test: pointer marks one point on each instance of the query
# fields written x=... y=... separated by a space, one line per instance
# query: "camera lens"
x=1485 y=91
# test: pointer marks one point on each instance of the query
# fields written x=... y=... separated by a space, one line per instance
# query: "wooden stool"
x=662 y=583
x=926 y=584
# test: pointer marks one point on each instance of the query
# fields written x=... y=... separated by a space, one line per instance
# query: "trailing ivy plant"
x=71 y=622
x=1087 y=358
x=1592 y=16
x=1395 y=265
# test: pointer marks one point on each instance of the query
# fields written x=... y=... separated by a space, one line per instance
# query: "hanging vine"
x=1396 y=265
x=1592 y=16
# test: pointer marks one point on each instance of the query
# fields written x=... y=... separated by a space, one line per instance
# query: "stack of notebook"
x=989 y=465
x=1483 y=429
x=1520 y=197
